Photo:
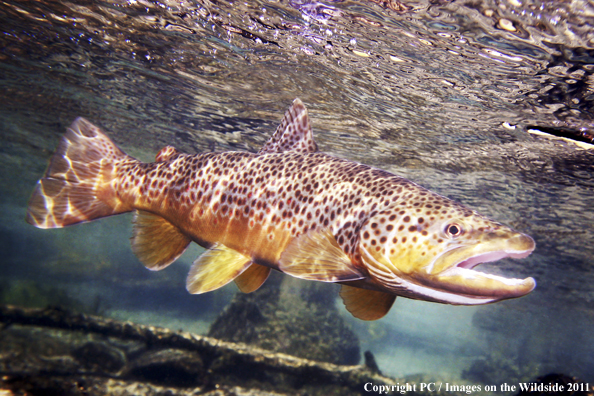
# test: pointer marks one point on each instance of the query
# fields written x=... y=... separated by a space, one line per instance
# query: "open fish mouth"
x=472 y=262
x=459 y=283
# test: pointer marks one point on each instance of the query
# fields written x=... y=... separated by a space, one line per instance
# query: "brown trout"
x=289 y=208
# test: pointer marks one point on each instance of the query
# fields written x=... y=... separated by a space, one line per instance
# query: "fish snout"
x=520 y=245
x=515 y=244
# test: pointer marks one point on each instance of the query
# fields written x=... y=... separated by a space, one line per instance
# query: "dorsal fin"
x=316 y=256
x=252 y=278
x=155 y=241
x=366 y=304
x=166 y=153
x=215 y=268
x=293 y=134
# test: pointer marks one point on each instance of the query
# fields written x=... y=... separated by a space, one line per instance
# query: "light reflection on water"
x=440 y=92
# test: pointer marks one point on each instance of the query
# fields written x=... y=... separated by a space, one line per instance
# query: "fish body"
x=288 y=207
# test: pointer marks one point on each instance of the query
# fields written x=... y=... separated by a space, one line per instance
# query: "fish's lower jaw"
x=479 y=285
x=418 y=291
x=458 y=293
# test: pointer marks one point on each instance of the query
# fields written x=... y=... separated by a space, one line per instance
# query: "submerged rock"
x=56 y=352
x=289 y=316
x=172 y=367
x=99 y=356
x=53 y=352
x=91 y=386
x=370 y=362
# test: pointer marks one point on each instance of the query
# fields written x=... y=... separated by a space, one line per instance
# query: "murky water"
x=441 y=92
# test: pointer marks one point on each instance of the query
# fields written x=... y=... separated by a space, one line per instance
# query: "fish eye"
x=453 y=230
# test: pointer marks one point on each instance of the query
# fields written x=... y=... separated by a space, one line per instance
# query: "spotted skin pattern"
x=286 y=204
x=264 y=196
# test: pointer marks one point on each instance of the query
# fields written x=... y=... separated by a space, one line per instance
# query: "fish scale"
x=289 y=208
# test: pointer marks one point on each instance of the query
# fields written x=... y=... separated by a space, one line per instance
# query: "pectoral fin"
x=155 y=241
x=366 y=304
x=317 y=256
x=215 y=268
x=252 y=278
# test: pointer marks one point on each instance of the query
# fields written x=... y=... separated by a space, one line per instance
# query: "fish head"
x=429 y=249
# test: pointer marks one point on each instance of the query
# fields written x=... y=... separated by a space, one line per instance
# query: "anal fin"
x=366 y=304
x=317 y=256
x=155 y=241
x=215 y=268
x=252 y=278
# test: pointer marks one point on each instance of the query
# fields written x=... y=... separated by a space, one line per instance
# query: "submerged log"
x=54 y=351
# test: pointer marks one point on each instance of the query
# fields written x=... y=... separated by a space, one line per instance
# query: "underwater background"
x=444 y=93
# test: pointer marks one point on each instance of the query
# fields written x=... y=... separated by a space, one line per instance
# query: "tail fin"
x=77 y=185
